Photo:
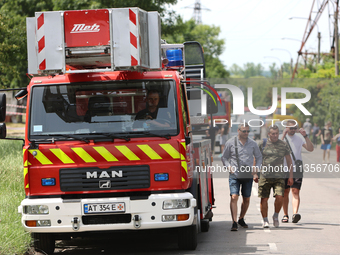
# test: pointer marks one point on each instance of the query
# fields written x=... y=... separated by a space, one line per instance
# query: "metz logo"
x=104 y=174
x=82 y=28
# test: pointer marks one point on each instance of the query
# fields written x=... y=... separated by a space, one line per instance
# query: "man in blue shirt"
x=238 y=155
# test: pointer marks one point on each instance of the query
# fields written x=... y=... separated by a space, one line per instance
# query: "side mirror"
x=3 y=131
x=2 y=107
x=212 y=106
x=21 y=94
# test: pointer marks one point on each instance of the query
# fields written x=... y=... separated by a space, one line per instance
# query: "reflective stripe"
x=183 y=180
x=170 y=150
x=184 y=165
x=25 y=171
x=41 y=157
x=105 y=153
x=127 y=152
x=184 y=146
x=149 y=151
x=27 y=163
x=27 y=186
x=84 y=155
x=62 y=156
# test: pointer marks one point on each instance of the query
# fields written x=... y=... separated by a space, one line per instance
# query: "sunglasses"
x=293 y=128
x=245 y=131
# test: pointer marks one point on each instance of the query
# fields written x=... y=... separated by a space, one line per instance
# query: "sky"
x=253 y=29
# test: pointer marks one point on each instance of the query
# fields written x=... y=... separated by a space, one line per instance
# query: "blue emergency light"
x=162 y=177
x=175 y=57
x=48 y=181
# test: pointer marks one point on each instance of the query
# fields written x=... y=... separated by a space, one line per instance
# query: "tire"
x=44 y=242
x=205 y=225
x=2 y=107
x=187 y=238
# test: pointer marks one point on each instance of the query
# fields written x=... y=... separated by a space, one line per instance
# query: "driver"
x=151 y=110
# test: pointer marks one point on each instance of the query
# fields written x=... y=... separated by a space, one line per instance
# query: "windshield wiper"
x=113 y=136
x=167 y=136
x=71 y=136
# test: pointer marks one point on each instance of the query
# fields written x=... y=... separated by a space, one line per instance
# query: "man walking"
x=274 y=151
x=326 y=141
x=238 y=156
x=295 y=143
x=307 y=126
x=315 y=131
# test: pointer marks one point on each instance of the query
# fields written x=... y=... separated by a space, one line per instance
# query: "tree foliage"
x=207 y=36
x=249 y=70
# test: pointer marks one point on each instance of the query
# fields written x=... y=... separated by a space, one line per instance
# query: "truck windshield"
x=111 y=109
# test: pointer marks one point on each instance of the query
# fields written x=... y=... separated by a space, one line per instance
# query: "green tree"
x=252 y=70
x=236 y=70
x=13 y=64
x=207 y=36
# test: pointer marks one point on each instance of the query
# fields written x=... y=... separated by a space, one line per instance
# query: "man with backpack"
x=238 y=155
x=274 y=151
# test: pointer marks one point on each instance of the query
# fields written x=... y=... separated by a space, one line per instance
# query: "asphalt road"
x=316 y=233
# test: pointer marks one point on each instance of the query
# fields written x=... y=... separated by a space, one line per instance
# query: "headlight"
x=36 y=209
x=175 y=204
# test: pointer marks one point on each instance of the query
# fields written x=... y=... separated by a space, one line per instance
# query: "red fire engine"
x=108 y=143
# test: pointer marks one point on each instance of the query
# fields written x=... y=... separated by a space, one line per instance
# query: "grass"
x=14 y=240
x=15 y=129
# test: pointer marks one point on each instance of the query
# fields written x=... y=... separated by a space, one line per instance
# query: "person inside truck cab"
x=151 y=112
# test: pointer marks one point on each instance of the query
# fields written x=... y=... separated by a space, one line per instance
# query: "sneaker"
x=296 y=218
x=234 y=227
x=265 y=224
x=276 y=222
x=242 y=223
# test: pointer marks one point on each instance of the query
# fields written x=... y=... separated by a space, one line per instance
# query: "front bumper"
x=67 y=216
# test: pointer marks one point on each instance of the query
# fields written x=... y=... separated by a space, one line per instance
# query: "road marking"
x=272 y=246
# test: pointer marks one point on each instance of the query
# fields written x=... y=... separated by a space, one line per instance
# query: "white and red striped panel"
x=41 y=42
x=133 y=38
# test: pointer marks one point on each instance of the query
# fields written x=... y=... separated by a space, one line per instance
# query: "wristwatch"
x=305 y=136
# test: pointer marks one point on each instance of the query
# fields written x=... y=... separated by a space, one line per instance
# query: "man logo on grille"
x=104 y=184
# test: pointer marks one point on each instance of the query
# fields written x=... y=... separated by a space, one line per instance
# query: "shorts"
x=326 y=146
x=223 y=139
x=265 y=185
x=297 y=183
x=234 y=186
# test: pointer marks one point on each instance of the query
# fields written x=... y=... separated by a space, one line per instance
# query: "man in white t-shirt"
x=296 y=139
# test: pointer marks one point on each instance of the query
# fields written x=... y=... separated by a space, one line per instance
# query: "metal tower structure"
x=197 y=15
x=311 y=23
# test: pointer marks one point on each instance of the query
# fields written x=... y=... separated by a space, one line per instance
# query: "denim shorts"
x=326 y=146
x=235 y=184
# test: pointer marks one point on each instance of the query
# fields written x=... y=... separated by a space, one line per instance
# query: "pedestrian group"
x=275 y=163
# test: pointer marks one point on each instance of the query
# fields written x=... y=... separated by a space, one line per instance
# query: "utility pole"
x=291 y=66
x=336 y=34
x=319 y=38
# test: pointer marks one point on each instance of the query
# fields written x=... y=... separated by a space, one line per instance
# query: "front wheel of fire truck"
x=205 y=225
x=44 y=242
x=187 y=236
